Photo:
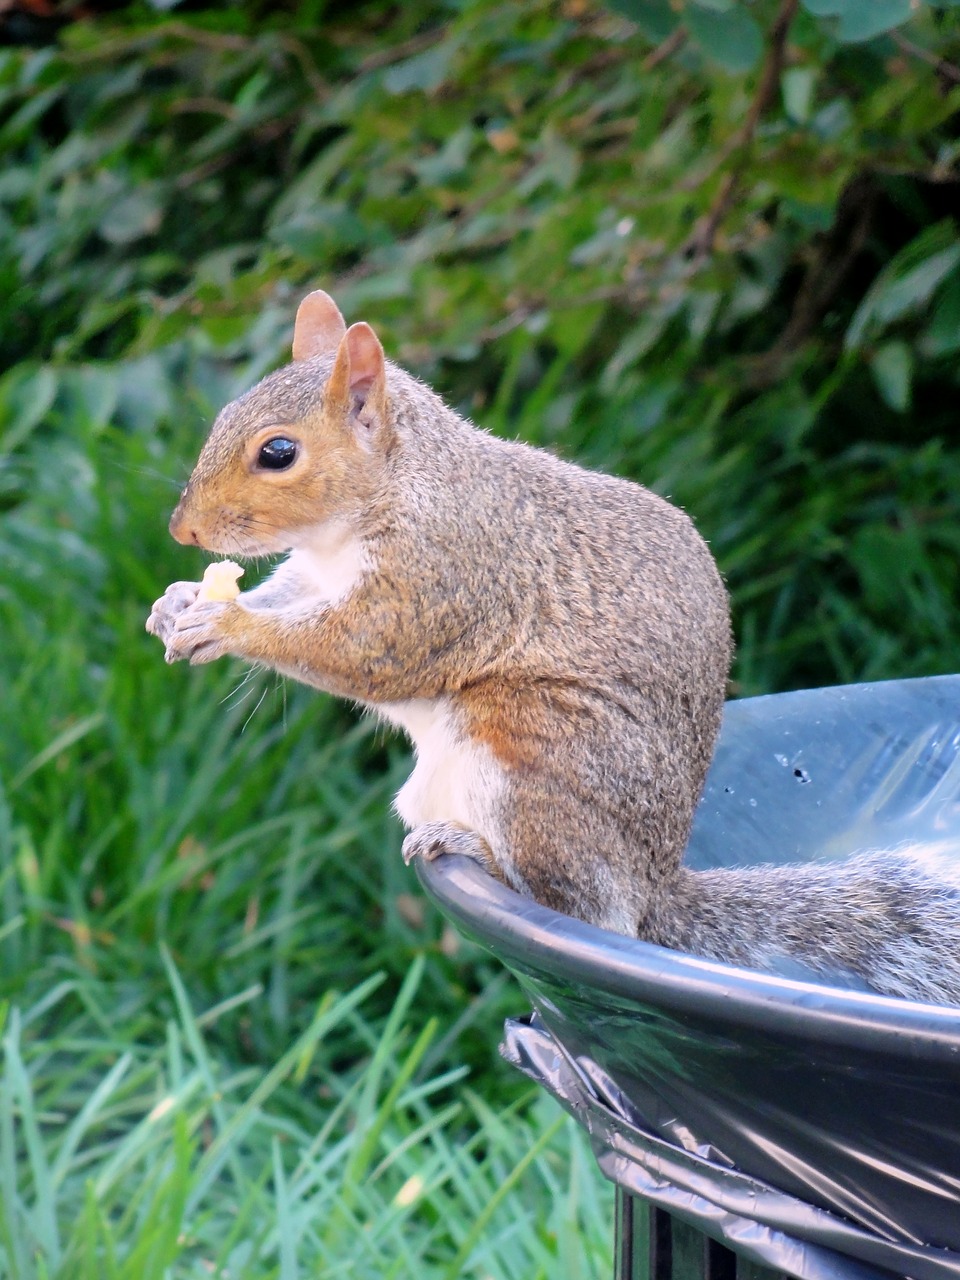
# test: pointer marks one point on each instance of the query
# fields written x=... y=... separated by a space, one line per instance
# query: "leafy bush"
x=726 y=263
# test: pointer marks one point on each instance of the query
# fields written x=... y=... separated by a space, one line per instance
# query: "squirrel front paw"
x=198 y=633
x=189 y=630
x=165 y=611
x=431 y=839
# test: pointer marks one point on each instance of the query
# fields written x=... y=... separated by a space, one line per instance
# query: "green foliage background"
x=709 y=244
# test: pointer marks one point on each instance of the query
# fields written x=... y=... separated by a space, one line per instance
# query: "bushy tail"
x=888 y=922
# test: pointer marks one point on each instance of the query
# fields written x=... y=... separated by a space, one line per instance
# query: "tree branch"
x=667 y=49
x=946 y=70
x=701 y=241
x=824 y=278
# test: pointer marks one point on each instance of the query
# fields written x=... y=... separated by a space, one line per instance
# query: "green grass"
x=236 y=1040
x=147 y=1156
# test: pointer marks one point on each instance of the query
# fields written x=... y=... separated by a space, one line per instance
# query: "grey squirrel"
x=555 y=642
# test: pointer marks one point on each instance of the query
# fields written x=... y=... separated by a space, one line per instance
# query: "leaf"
x=906 y=284
x=90 y=393
x=892 y=369
x=27 y=393
x=424 y=71
x=558 y=166
x=917 y=286
x=942 y=335
x=321 y=231
x=732 y=39
x=797 y=86
x=451 y=160
x=833 y=120
x=133 y=216
x=864 y=19
x=655 y=18
x=861 y=19
x=640 y=340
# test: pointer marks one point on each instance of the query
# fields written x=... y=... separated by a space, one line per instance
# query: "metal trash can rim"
x=533 y=936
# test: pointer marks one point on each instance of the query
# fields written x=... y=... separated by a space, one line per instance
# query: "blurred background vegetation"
x=710 y=244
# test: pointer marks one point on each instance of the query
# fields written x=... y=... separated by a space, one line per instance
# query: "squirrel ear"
x=366 y=360
x=319 y=326
x=358 y=381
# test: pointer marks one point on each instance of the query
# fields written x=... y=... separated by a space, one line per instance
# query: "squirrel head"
x=303 y=448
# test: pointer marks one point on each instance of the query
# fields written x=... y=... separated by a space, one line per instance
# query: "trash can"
x=752 y=1121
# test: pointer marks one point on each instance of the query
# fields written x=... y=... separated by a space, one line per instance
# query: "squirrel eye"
x=277 y=454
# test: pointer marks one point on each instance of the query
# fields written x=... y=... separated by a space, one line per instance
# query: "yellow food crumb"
x=410 y=1192
x=220 y=581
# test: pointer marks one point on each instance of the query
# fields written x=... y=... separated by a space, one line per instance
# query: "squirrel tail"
x=885 y=922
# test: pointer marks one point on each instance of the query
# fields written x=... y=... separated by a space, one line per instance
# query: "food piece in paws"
x=220 y=581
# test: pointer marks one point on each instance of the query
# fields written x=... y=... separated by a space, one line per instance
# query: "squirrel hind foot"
x=431 y=839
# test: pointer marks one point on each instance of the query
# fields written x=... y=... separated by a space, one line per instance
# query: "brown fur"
x=574 y=623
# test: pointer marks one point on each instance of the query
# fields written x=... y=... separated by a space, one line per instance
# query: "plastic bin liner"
x=814 y=1129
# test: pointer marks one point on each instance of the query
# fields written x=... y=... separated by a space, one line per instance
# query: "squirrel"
x=555 y=641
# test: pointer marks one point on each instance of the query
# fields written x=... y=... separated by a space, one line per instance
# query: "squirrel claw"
x=196 y=633
x=431 y=839
x=165 y=611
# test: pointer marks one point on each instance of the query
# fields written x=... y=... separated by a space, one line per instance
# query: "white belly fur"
x=455 y=780
x=321 y=572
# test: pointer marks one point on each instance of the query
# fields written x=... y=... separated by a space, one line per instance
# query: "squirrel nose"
x=182 y=531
